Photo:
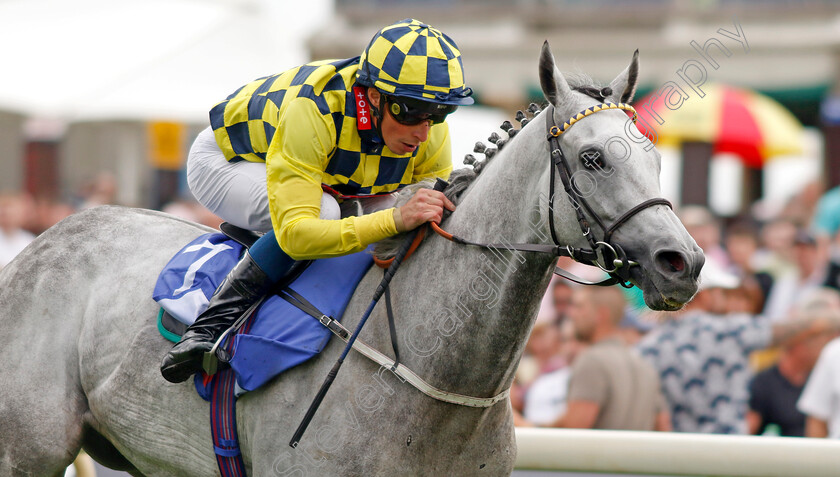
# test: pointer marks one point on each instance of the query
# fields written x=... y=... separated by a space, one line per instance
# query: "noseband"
x=610 y=256
x=604 y=254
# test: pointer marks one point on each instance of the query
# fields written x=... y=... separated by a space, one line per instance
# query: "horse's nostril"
x=673 y=262
x=676 y=261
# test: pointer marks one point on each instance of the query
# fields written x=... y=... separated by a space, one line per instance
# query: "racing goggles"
x=410 y=111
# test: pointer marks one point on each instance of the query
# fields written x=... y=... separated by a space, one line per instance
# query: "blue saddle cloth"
x=280 y=335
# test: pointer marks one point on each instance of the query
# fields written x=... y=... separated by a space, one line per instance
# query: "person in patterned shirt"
x=702 y=355
x=283 y=151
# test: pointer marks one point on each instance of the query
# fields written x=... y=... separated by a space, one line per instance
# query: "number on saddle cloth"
x=187 y=282
x=173 y=328
x=281 y=335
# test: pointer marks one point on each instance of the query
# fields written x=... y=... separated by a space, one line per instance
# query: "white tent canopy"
x=159 y=59
x=103 y=62
x=152 y=59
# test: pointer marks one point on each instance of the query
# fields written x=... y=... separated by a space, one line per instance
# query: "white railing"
x=675 y=453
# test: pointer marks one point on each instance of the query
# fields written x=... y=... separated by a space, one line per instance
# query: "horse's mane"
x=461 y=179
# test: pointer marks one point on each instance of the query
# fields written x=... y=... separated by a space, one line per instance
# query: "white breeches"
x=237 y=192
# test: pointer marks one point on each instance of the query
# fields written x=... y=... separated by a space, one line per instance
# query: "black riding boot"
x=244 y=285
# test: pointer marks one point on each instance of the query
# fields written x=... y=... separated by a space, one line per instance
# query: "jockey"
x=283 y=151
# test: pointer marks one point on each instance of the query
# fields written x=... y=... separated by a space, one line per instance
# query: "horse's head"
x=614 y=174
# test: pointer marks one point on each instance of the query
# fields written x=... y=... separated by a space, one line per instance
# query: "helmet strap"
x=376 y=114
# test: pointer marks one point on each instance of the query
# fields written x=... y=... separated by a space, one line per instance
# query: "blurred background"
x=100 y=101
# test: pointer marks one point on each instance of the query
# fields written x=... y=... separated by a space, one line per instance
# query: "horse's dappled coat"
x=76 y=304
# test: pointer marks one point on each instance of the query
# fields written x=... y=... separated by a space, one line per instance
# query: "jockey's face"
x=400 y=138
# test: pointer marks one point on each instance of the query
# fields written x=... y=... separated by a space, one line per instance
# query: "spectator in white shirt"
x=820 y=400
x=545 y=400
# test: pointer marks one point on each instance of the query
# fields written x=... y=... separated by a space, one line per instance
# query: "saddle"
x=243 y=237
x=172 y=329
x=291 y=326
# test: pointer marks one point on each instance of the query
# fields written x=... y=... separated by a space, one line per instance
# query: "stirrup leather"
x=210 y=360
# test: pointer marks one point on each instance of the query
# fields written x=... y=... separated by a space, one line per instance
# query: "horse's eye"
x=592 y=159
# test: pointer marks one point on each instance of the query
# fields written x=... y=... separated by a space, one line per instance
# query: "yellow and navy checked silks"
x=412 y=59
x=247 y=121
x=558 y=130
x=303 y=124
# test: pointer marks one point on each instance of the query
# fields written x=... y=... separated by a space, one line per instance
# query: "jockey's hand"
x=426 y=205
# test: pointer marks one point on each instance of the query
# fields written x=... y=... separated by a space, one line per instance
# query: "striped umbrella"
x=733 y=120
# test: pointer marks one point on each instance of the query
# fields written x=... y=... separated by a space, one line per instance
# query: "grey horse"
x=78 y=326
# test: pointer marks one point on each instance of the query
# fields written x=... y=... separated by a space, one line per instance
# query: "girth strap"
x=304 y=305
x=223 y=425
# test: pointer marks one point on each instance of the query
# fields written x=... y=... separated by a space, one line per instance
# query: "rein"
x=607 y=256
x=619 y=272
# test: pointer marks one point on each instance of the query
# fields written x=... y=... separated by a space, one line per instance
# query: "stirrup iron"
x=210 y=360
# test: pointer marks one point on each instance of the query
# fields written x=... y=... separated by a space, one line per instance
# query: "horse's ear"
x=624 y=85
x=554 y=85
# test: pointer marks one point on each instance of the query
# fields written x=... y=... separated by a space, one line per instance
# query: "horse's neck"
x=508 y=200
x=496 y=293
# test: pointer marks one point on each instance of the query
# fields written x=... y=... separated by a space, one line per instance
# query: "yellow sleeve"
x=438 y=156
x=296 y=159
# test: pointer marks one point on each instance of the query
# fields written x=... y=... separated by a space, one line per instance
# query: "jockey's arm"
x=295 y=162
x=296 y=159
x=427 y=205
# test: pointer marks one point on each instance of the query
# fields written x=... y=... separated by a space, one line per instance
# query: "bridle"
x=609 y=257
x=604 y=254
x=618 y=267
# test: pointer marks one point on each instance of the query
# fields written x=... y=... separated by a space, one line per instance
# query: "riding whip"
x=440 y=185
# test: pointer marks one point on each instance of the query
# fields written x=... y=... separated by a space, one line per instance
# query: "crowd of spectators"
x=755 y=352
x=23 y=217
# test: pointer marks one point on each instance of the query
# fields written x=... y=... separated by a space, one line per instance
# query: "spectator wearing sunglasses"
x=311 y=157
